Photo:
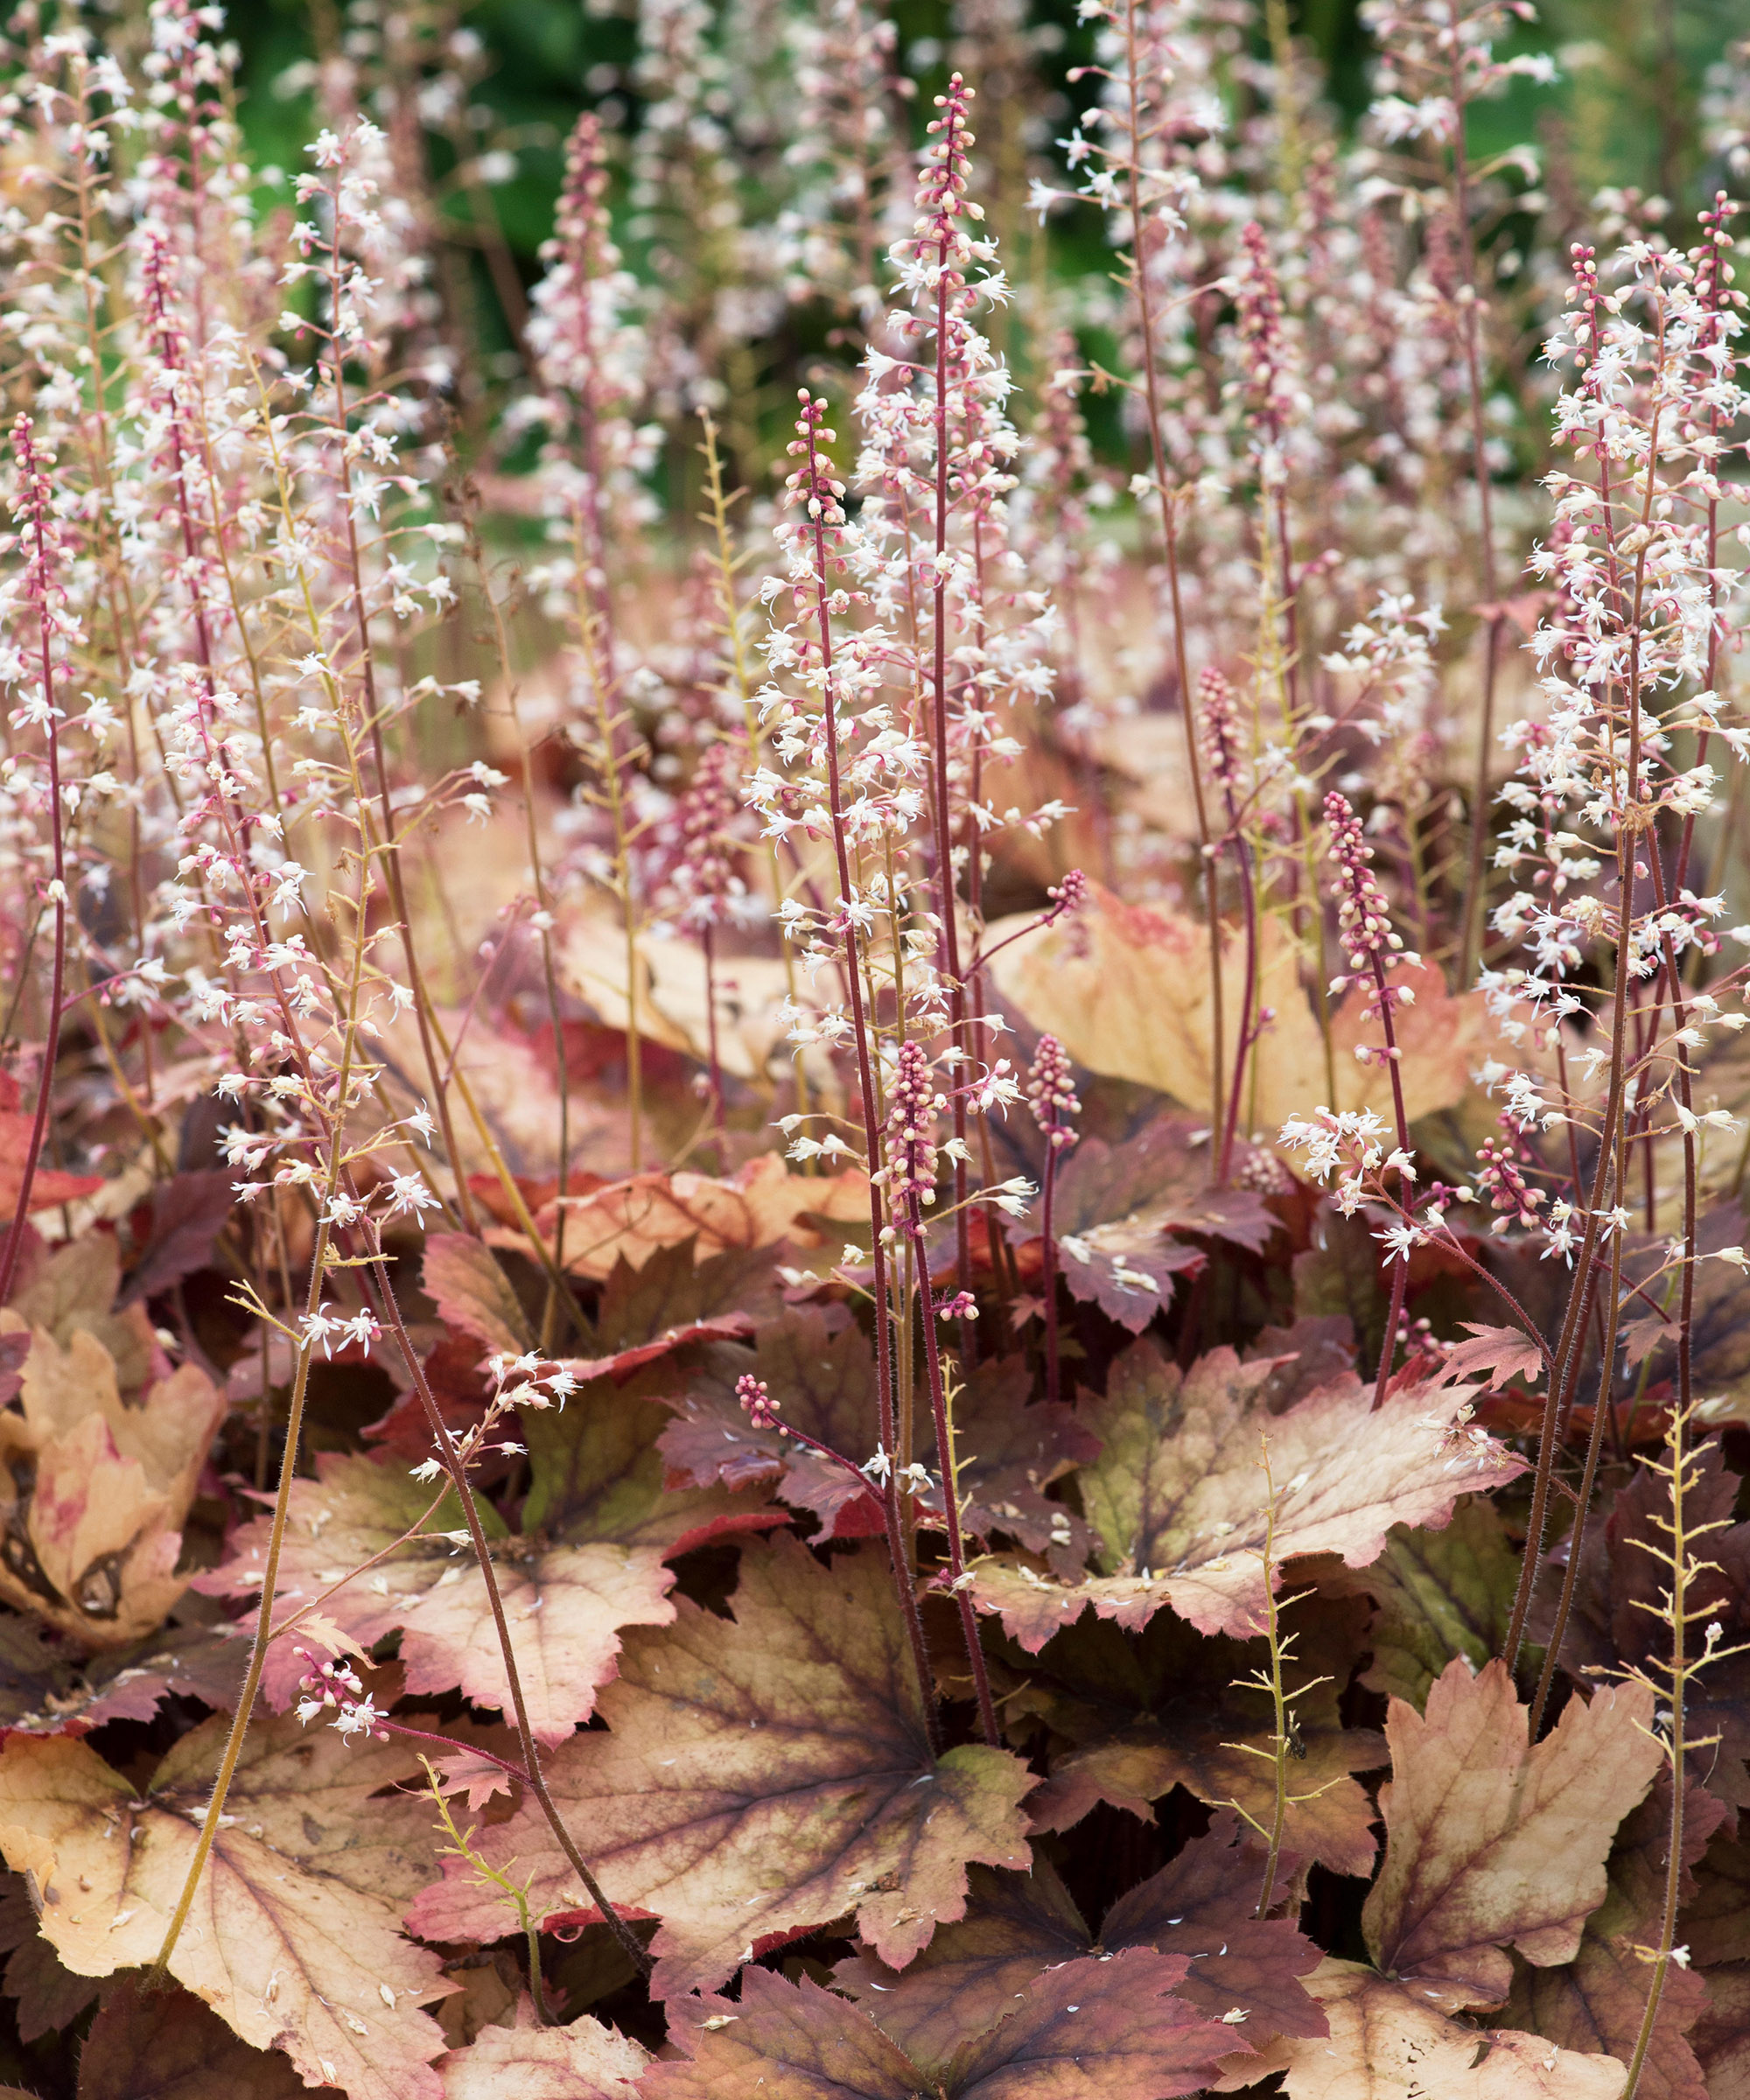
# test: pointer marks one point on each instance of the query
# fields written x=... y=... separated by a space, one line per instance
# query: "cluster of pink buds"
x=756 y=1402
x=911 y=1168
x=332 y=1687
x=705 y=881
x=1051 y=1093
x=1220 y=721
x=1363 y=916
x=1499 y=1171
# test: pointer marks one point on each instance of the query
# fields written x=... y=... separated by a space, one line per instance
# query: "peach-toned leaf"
x=94 y=1491
x=1177 y=1498
x=1125 y=988
x=1097 y=2029
x=764 y=1203
x=1389 y=2042
x=584 y=2061
x=1493 y=1841
x=760 y=1776
x=1498 y=1356
x=292 y=1939
x=472 y=1292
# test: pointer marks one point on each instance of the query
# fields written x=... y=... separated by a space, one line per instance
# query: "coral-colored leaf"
x=762 y=1775
x=764 y=1203
x=1597 y=2001
x=1493 y=1841
x=1387 y=2041
x=50 y=1185
x=1094 y=2030
x=584 y=2061
x=292 y=1939
x=153 y=2045
x=472 y=1292
x=1177 y=1498
x=1497 y=1356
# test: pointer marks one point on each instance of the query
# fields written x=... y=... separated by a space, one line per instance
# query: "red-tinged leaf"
x=164 y=2045
x=1141 y=1715
x=620 y=1363
x=473 y=1293
x=47 y=1995
x=292 y=1940
x=760 y=1776
x=821 y=1374
x=49 y=1186
x=1497 y=1356
x=1387 y=2041
x=1716 y=1916
x=1123 y=1199
x=682 y=1286
x=1618 y=1599
x=46 y=1688
x=1018 y=1926
x=1720 y=2037
x=1177 y=1498
x=1090 y=2030
x=1207 y=1899
x=584 y=2061
x=187 y=1214
x=1493 y=1841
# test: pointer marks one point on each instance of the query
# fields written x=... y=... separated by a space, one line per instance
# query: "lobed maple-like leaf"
x=1441 y=1594
x=1497 y=1356
x=1243 y=1969
x=583 y=2060
x=598 y=1529
x=1387 y=2041
x=292 y=1940
x=1133 y=1717
x=760 y=1776
x=93 y=1491
x=761 y=1205
x=1176 y=1498
x=1494 y=1841
x=1087 y=2030
x=164 y=2045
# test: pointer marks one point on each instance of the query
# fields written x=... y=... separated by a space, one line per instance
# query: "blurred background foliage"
x=1624 y=114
